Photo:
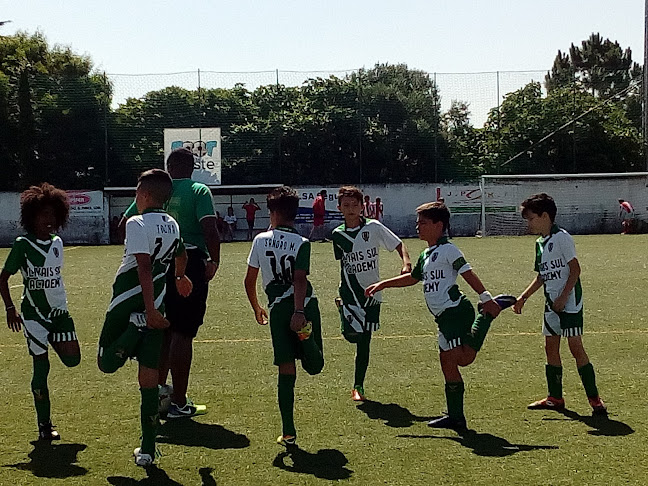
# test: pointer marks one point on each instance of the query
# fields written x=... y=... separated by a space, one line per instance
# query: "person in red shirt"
x=318 y=233
x=251 y=207
x=627 y=214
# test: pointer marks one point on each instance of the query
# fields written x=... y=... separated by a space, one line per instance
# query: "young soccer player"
x=356 y=243
x=559 y=272
x=461 y=336
x=134 y=322
x=44 y=315
x=284 y=259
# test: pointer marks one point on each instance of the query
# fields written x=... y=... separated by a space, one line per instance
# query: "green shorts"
x=285 y=343
x=39 y=332
x=454 y=323
x=566 y=324
x=356 y=321
x=149 y=348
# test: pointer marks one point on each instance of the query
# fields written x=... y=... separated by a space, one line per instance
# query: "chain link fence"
x=291 y=127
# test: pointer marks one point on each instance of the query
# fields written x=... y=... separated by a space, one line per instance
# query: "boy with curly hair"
x=43 y=316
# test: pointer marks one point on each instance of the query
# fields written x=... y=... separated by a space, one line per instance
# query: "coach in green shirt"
x=191 y=206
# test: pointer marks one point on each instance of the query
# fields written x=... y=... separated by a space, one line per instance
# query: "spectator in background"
x=378 y=209
x=230 y=220
x=627 y=214
x=368 y=209
x=251 y=207
x=318 y=233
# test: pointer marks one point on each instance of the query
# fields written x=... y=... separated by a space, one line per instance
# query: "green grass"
x=383 y=442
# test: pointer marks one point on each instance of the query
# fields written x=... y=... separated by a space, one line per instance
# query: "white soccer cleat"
x=141 y=459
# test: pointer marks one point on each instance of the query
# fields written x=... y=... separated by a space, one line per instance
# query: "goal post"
x=587 y=203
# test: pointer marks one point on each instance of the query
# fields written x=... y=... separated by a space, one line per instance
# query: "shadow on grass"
x=190 y=433
x=485 y=445
x=325 y=464
x=602 y=424
x=394 y=415
x=158 y=477
x=51 y=460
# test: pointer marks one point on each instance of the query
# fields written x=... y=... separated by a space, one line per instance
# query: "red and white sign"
x=86 y=202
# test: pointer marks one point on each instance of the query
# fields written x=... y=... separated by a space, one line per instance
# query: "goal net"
x=587 y=203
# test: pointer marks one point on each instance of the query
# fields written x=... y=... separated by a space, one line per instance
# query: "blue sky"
x=460 y=36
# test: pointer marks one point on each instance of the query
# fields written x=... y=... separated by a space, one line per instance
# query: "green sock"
x=313 y=360
x=554 y=380
x=589 y=380
x=479 y=330
x=286 y=392
x=40 y=391
x=149 y=419
x=115 y=355
x=454 y=391
x=362 y=359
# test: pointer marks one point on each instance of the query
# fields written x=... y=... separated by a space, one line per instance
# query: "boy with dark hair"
x=461 y=336
x=134 y=321
x=44 y=315
x=558 y=271
x=356 y=244
x=191 y=205
x=295 y=326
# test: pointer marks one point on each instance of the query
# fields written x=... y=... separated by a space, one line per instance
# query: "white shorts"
x=572 y=324
x=39 y=337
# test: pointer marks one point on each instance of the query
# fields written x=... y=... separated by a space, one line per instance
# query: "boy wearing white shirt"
x=559 y=272
x=461 y=335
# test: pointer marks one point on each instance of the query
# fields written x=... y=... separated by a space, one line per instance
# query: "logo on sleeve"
x=56 y=252
x=550 y=246
x=435 y=255
x=365 y=236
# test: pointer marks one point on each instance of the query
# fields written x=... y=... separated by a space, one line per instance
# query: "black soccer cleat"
x=447 y=422
x=503 y=300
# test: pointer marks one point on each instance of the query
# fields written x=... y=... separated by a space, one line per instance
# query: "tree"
x=604 y=139
x=599 y=66
x=52 y=115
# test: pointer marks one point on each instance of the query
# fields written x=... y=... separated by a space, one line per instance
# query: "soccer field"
x=383 y=441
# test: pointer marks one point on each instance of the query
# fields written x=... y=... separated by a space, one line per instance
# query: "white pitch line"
x=395 y=336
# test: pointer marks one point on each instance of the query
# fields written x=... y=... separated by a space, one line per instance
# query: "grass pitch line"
x=340 y=338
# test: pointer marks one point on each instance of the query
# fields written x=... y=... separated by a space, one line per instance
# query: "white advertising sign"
x=205 y=143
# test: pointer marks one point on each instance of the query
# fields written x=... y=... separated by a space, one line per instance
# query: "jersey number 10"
x=284 y=271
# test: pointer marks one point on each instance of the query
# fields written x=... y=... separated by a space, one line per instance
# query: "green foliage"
x=52 y=115
x=604 y=140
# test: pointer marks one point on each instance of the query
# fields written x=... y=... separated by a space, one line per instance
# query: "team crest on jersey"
x=434 y=256
x=56 y=252
x=165 y=219
x=550 y=246
x=365 y=235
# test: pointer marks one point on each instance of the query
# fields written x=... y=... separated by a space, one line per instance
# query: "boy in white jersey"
x=44 y=315
x=461 y=336
x=356 y=244
x=134 y=321
x=559 y=272
x=284 y=259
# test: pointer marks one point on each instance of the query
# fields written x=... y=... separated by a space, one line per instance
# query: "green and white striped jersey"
x=40 y=262
x=358 y=251
x=278 y=253
x=553 y=253
x=438 y=268
x=153 y=233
